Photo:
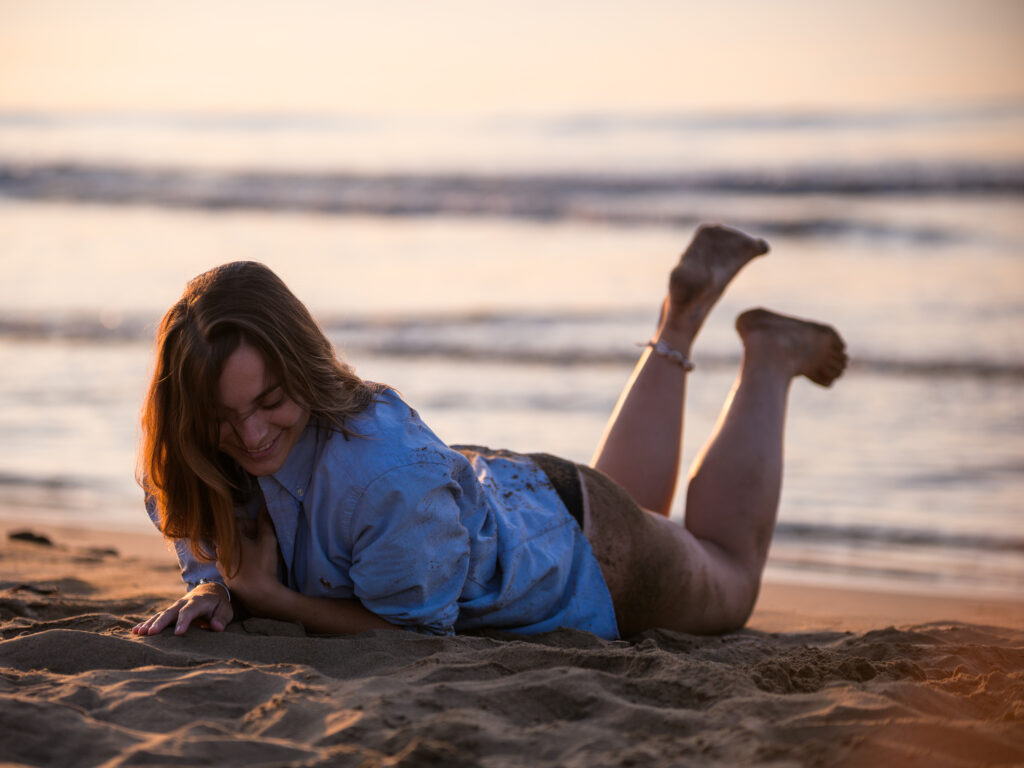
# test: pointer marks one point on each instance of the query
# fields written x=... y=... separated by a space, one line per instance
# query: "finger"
x=185 y=619
x=158 y=621
x=267 y=551
x=222 y=616
x=146 y=627
x=163 y=620
x=198 y=606
x=266 y=526
x=142 y=628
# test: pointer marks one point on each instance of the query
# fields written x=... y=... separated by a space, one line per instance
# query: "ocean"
x=499 y=272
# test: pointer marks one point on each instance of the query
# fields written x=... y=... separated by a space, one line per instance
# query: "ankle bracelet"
x=664 y=350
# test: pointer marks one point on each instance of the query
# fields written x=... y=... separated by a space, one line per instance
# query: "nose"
x=252 y=431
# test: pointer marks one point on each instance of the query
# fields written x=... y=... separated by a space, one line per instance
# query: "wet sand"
x=820 y=677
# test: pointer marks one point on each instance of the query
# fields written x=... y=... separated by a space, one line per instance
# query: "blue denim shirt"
x=424 y=535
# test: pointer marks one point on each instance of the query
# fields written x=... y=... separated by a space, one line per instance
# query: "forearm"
x=320 y=615
x=256 y=585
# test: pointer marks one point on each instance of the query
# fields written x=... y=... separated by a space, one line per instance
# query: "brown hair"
x=195 y=486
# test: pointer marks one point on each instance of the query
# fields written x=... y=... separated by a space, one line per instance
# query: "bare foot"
x=801 y=347
x=711 y=260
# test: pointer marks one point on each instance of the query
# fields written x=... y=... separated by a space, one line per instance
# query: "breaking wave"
x=523 y=340
x=619 y=199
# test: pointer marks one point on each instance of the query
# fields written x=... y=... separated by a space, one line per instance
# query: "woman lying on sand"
x=291 y=486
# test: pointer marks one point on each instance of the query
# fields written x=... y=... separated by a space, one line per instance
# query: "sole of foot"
x=811 y=349
x=710 y=262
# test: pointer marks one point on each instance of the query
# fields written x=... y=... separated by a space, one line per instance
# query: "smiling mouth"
x=263 y=451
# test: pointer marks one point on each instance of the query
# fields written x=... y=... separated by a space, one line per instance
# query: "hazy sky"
x=521 y=55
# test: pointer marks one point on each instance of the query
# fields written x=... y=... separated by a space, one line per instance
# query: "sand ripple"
x=77 y=689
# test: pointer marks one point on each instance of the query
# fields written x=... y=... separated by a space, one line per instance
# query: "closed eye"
x=274 y=394
x=273 y=399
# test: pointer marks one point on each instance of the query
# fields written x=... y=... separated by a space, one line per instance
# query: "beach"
x=820 y=677
x=480 y=205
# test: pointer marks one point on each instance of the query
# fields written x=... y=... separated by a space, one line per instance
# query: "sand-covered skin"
x=77 y=688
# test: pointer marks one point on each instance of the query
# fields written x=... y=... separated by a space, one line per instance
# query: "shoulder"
x=387 y=436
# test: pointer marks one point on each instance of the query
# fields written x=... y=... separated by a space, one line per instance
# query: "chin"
x=261 y=468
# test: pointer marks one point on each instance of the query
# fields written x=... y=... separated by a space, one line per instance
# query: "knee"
x=738 y=612
x=730 y=599
x=743 y=591
x=713 y=596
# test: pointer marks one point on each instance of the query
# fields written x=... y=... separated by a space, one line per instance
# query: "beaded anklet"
x=664 y=350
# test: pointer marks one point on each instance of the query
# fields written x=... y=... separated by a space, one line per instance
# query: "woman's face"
x=259 y=423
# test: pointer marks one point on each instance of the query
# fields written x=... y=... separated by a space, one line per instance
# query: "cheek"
x=225 y=434
x=291 y=415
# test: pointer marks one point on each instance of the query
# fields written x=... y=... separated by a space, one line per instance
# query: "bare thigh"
x=658 y=573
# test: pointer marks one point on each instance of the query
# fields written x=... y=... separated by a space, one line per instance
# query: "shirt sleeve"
x=410 y=552
x=193 y=570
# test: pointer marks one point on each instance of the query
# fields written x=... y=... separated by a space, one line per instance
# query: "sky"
x=526 y=56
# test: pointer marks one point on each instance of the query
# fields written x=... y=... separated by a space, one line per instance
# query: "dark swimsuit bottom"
x=566 y=480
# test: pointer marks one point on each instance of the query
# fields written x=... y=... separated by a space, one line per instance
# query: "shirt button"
x=299 y=491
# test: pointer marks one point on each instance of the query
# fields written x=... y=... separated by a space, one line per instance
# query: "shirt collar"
x=294 y=476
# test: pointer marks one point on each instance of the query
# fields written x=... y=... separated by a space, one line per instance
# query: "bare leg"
x=704 y=577
x=733 y=495
x=641 y=445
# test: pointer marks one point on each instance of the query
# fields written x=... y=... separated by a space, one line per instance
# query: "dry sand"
x=822 y=677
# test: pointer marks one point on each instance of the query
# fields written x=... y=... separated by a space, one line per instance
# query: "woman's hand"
x=207 y=603
x=256 y=583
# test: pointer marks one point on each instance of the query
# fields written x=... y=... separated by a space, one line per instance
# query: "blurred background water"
x=499 y=266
